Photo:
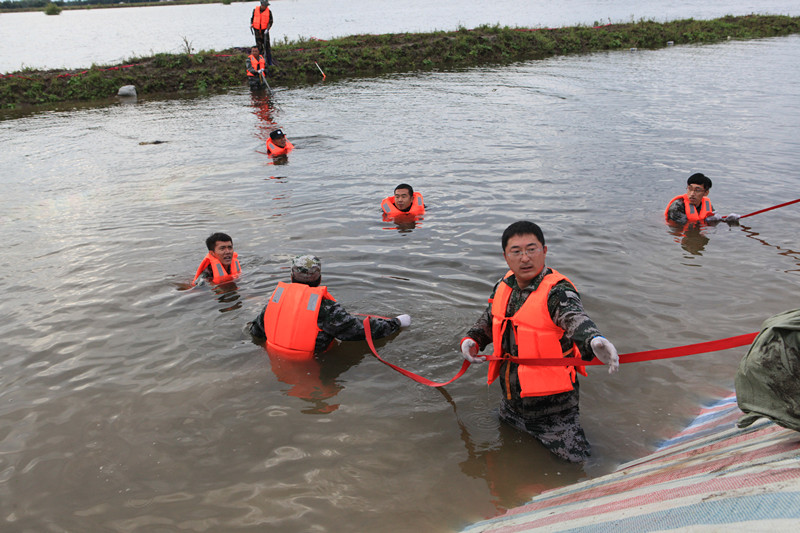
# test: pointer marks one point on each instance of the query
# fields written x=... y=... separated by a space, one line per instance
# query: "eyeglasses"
x=698 y=190
x=516 y=254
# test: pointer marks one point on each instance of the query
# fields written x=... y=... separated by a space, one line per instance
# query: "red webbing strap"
x=633 y=357
x=647 y=355
x=408 y=374
x=769 y=209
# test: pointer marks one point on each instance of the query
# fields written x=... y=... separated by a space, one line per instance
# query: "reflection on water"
x=314 y=380
x=403 y=224
x=127 y=403
x=263 y=110
x=499 y=463
x=227 y=293
x=692 y=237
x=786 y=252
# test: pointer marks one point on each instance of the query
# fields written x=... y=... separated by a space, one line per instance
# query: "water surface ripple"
x=128 y=403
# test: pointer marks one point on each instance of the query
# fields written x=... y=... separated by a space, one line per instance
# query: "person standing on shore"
x=260 y=24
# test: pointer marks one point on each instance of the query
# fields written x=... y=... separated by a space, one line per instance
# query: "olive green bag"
x=768 y=378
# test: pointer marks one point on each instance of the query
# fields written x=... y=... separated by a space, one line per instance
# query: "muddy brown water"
x=128 y=403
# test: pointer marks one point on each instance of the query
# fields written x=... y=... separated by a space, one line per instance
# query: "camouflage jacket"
x=566 y=311
x=336 y=323
x=677 y=211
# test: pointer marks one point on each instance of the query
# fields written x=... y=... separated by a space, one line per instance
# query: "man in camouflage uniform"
x=697 y=188
x=551 y=419
x=333 y=320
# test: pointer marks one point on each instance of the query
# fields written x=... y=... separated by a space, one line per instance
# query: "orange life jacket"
x=290 y=320
x=390 y=210
x=274 y=150
x=257 y=64
x=220 y=274
x=261 y=18
x=691 y=211
x=536 y=336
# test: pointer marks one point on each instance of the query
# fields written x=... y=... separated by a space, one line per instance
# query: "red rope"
x=67 y=75
x=647 y=355
x=634 y=357
x=552 y=29
x=407 y=373
x=769 y=208
x=121 y=66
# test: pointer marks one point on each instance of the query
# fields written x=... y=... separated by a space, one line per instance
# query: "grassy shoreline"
x=370 y=55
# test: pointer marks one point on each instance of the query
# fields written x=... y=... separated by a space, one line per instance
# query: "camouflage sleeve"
x=677 y=212
x=566 y=310
x=481 y=331
x=257 y=326
x=206 y=276
x=334 y=320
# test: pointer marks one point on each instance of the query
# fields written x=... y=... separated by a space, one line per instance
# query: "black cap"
x=275 y=134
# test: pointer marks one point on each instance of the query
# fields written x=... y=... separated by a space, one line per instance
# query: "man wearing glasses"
x=535 y=312
x=694 y=206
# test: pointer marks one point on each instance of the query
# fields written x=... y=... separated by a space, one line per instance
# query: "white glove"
x=713 y=218
x=606 y=352
x=469 y=349
x=733 y=217
x=405 y=320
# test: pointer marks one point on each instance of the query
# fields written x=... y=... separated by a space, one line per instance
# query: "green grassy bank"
x=369 y=55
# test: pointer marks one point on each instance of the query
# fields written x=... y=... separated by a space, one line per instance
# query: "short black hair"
x=699 y=179
x=405 y=186
x=522 y=227
x=214 y=238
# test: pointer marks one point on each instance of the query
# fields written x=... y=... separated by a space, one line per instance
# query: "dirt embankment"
x=369 y=55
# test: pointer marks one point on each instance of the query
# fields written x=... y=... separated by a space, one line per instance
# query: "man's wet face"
x=223 y=250
x=402 y=199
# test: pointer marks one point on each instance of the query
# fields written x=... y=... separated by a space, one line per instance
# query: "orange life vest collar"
x=536 y=336
x=290 y=320
x=220 y=274
x=390 y=209
x=260 y=18
x=692 y=215
x=274 y=150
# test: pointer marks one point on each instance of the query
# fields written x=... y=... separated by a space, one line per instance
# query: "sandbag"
x=768 y=378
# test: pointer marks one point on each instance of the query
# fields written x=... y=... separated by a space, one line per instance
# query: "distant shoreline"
x=68 y=5
x=302 y=62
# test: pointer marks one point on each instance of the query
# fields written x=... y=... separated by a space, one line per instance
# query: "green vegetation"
x=369 y=55
x=52 y=9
